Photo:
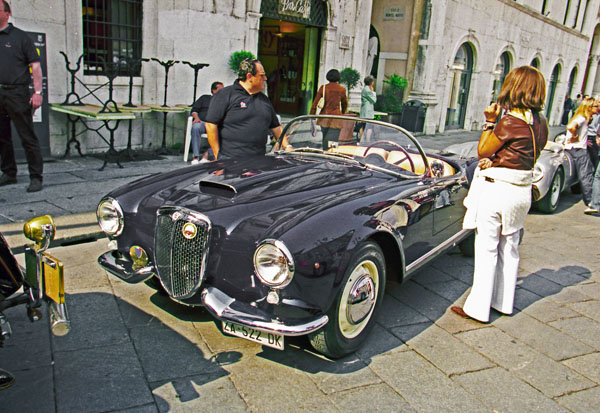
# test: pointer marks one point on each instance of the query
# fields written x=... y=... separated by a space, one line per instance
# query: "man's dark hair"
x=333 y=75
x=247 y=66
x=214 y=85
x=6 y=6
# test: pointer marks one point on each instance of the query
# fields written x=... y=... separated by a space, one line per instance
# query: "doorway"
x=288 y=52
x=462 y=69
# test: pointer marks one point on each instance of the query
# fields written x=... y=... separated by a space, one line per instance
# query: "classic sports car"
x=297 y=242
x=554 y=171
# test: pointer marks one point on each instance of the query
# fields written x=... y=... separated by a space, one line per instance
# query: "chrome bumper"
x=122 y=267
x=226 y=308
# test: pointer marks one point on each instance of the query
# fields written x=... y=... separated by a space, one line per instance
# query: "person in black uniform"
x=239 y=117
x=17 y=55
x=199 y=110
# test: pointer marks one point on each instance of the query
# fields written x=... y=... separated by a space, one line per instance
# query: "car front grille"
x=180 y=257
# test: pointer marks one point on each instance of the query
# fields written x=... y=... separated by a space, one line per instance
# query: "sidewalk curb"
x=70 y=229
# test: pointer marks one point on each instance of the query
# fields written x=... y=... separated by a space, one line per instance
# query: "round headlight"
x=110 y=217
x=273 y=264
x=538 y=173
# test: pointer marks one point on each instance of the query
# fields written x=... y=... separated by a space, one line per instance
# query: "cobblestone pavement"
x=134 y=350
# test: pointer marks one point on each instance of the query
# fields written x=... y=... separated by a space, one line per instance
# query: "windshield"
x=373 y=143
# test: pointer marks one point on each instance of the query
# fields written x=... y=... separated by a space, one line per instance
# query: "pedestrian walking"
x=567 y=108
x=17 y=56
x=240 y=116
x=200 y=107
x=500 y=195
x=368 y=97
x=592 y=146
x=335 y=103
x=576 y=144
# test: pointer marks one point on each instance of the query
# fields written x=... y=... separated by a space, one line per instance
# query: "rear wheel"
x=353 y=314
x=549 y=202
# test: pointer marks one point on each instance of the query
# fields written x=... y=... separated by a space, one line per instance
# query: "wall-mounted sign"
x=296 y=8
x=393 y=13
x=345 y=41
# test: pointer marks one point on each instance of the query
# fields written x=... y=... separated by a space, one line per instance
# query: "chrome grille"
x=180 y=261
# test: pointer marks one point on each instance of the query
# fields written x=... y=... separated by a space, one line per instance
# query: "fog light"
x=138 y=256
x=273 y=297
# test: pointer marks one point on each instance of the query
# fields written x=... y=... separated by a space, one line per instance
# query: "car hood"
x=266 y=187
x=258 y=181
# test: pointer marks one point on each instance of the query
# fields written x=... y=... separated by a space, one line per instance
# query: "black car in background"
x=297 y=242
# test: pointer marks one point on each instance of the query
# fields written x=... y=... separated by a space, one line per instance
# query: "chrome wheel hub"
x=361 y=299
x=358 y=300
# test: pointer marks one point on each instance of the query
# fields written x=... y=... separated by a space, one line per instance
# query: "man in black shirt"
x=240 y=117
x=199 y=110
x=17 y=55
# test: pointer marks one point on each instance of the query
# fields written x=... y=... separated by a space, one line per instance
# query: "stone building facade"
x=454 y=53
x=197 y=31
x=457 y=52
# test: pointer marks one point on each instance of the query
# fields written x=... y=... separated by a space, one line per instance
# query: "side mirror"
x=40 y=230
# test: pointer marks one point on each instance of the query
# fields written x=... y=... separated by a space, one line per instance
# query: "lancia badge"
x=189 y=230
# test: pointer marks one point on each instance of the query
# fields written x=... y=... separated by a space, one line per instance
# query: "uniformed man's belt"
x=2 y=86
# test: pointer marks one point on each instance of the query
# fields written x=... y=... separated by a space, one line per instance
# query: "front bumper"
x=219 y=304
x=227 y=308
x=122 y=267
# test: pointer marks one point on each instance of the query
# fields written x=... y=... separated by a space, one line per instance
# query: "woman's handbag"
x=321 y=103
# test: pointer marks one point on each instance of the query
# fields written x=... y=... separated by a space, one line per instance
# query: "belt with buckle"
x=9 y=87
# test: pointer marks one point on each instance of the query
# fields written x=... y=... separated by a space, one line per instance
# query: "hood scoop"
x=217 y=188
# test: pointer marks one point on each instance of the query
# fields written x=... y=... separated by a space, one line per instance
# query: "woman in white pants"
x=500 y=195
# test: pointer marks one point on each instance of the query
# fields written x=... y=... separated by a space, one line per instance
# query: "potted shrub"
x=237 y=57
x=350 y=78
x=393 y=94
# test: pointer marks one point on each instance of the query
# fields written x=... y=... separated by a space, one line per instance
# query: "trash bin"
x=413 y=116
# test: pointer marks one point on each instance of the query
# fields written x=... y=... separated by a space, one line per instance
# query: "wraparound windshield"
x=373 y=143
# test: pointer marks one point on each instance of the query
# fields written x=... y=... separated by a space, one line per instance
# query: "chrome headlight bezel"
x=279 y=255
x=538 y=173
x=113 y=225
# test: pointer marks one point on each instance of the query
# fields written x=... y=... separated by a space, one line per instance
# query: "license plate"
x=54 y=283
x=261 y=337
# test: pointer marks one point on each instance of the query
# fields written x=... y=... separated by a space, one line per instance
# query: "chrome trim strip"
x=451 y=242
x=226 y=308
x=122 y=267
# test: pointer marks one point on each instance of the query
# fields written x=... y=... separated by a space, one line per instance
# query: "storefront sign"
x=296 y=8
x=393 y=13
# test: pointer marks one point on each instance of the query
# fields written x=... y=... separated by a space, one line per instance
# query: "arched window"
x=500 y=71
x=551 y=89
x=536 y=62
x=462 y=69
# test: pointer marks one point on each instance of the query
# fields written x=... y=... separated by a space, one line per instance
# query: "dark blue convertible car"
x=297 y=242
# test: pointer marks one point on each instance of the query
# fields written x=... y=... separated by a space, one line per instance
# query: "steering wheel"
x=395 y=146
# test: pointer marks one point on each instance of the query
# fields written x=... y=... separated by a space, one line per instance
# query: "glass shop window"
x=112 y=36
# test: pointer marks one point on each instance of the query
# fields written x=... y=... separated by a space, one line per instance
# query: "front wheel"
x=549 y=202
x=352 y=316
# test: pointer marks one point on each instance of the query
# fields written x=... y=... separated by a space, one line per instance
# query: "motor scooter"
x=42 y=279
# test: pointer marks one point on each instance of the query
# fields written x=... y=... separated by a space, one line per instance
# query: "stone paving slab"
x=541 y=372
x=582 y=402
x=546 y=339
x=514 y=396
x=422 y=385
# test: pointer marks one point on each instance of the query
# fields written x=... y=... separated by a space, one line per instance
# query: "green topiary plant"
x=393 y=93
x=350 y=78
x=237 y=57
